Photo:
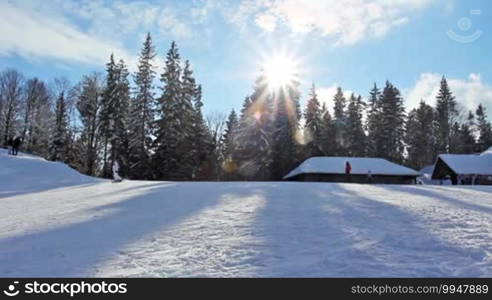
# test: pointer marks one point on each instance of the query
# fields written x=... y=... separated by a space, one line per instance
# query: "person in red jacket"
x=348 y=169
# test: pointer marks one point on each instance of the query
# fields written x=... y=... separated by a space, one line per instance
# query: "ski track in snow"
x=79 y=226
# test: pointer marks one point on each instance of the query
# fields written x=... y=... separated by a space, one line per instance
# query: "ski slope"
x=56 y=222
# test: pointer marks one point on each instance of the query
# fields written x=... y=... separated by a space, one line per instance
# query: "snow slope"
x=77 y=226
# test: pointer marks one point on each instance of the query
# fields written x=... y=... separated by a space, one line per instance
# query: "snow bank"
x=28 y=173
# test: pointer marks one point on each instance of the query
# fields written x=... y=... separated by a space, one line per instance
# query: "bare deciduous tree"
x=11 y=94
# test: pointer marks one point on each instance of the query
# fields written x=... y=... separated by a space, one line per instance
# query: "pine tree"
x=119 y=129
x=328 y=136
x=484 y=128
x=355 y=135
x=88 y=106
x=60 y=131
x=392 y=124
x=455 y=139
x=467 y=135
x=229 y=136
x=419 y=135
x=253 y=153
x=246 y=106
x=285 y=125
x=173 y=156
x=204 y=144
x=373 y=124
x=142 y=114
x=313 y=130
x=446 y=114
x=339 y=122
x=108 y=100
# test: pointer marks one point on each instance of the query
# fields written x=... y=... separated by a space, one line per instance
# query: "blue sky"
x=352 y=43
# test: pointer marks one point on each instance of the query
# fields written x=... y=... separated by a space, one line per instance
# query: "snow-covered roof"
x=469 y=164
x=360 y=166
x=487 y=152
x=427 y=169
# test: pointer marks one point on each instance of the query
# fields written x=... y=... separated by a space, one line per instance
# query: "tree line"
x=153 y=124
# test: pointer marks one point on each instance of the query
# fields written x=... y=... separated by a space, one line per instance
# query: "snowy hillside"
x=56 y=222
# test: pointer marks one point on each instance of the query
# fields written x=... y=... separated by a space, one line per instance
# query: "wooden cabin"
x=464 y=169
x=364 y=170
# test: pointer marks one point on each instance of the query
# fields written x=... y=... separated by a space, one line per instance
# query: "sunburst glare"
x=280 y=71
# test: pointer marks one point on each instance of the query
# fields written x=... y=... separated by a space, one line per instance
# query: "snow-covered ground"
x=56 y=222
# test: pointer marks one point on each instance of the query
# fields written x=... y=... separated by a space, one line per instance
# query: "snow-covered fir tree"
x=119 y=139
x=446 y=114
x=484 y=128
x=59 y=143
x=245 y=107
x=227 y=147
x=142 y=114
x=203 y=152
x=230 y=134
x=356 y=137
x=88 y=106
x=467 y=135
x=373 y=123
x=173 y=154
x=419 y=134
x=313 y=129
x=108 y=100
x=253 y=154
x=392 y=124
x=339 y=122
x=285 y=149
x=328 y=134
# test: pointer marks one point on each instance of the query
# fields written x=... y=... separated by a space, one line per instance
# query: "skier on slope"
x=16 y=144
x=116 y=169
x=348 y=169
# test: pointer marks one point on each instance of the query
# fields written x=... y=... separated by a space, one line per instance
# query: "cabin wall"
x=353 y=178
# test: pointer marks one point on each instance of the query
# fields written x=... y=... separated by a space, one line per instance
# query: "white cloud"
x=469 y=92
x=169 y=23
x=349 y=21
x=31 y=35
x=266 y=22
x=116 y=19
x=87 y=32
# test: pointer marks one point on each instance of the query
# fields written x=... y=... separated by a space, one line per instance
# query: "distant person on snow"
x=10 y=144
x=16 y=145
x=116 y=169
x=369 y=176
x=348 y=169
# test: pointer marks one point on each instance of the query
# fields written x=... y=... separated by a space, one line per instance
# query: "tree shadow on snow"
x=77 y=249
x=328 y=230
x=439 y=194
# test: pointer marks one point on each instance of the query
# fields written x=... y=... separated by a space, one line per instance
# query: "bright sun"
x=280 y=71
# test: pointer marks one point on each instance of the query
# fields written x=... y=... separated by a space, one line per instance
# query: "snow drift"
x=28 y=173
x=57 y=222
